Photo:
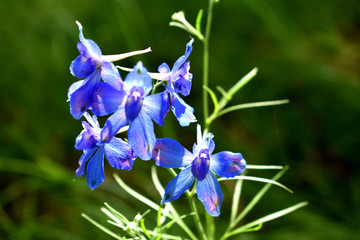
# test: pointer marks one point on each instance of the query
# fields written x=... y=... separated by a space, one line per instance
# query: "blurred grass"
x=306 y=51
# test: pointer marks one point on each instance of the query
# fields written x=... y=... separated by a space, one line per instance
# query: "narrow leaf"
x=257 y=179
x=253 y=105
x=213 y=97
x=101 y=227
x=198 y=20
x=135 y=194
x=257 y=198
x=236 y=199
x=267 y=218
x=264 y=167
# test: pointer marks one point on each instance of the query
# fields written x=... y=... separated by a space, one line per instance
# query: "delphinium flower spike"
x=133 y=105
x=92 y=66
x=198 y=165
x=94 y=145
x=178 y=81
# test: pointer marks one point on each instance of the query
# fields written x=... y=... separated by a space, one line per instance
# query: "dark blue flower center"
x=134 y=103
x=201 y=164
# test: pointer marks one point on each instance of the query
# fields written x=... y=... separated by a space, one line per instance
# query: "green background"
x=306 y=51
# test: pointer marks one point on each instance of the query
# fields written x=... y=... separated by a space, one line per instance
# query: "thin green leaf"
x=101 y=227
x=267 y=218
x=241 y=83
x=169 y=224
x=213 y=97
x=116 y=213
x=257 y=179
x=142 y=224
x=221 y=90
x=158 y=220
x=257 y=198
x=164 y=236
x=110 y=215
x=264 y=167
x=236 y=199
x=198 y=20
x=252 y=105
x=156 y=181
x=135 y=194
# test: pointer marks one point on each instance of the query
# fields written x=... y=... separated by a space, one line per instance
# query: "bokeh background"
x=306 y=51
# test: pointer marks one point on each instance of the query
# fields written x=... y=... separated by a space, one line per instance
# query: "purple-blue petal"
x=163 y=68
x=82 y=67
x=183 y=58
x=113 y=124
x=134 y=103
x=227 y=164
x=119 y=154
x=73 y=87
x=141 y=136
x=139 y=77
x=95 y=169
x=82 y=98
x=157 y=106
x=169 y=153
x=209 y=193
x=178 y=185
x=85 y=140
x=110 y=74
x=92 y=49
x=107 y=99
x=182 y=111
x=182 y=86
x=83 y=160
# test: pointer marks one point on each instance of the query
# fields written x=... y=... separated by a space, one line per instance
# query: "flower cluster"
x=133 y=105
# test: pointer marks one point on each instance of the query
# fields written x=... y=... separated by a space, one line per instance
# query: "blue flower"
x=133 y=105
x=179 y=81
x=92 y=66
x=94 y=143
x=199 y=164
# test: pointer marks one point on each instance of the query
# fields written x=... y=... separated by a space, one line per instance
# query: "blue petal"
x=73 y=87
x=85 y=140
x=92 y=49
x=83 y=160
x=209 y=193
x=113 y=124
x=82 y=67
x=182 y=111
x=227 y=164
x=139 y=77
x=183 y=58
x=182 y=86
x=178 y=185
x=119 y=154
x=169 y=153
x=200 y=165
x=110 y=74
x=134 y=103
x=157 y=106
x=107 y=99
x=141 y=136
x=95 y=169
x=163 y=68
x=83 y=97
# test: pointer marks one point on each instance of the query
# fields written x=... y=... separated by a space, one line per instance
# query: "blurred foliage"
x=306 y=51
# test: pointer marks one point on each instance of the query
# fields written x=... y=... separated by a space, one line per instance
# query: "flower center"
x=201 y=164
x=134 y=103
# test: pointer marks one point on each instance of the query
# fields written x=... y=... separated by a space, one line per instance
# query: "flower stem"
x=197 y=221
x=206 y=41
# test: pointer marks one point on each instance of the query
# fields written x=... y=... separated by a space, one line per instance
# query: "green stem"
x=197 y=221
x=206 y=61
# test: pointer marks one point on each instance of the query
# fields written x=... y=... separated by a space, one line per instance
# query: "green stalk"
x=206 y=41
